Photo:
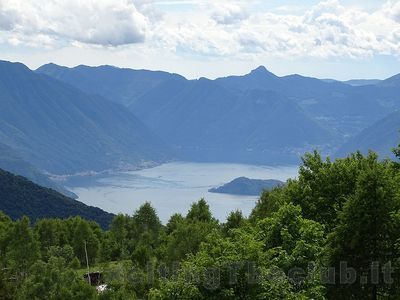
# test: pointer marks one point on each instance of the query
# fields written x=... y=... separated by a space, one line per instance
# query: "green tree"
x=200 y=211
x=186 y=239
x=54 y=282
x=323 y=186
x=84 y=236
x=234 y=221
x=5 y=226
x=366 y=233
x=174 y=222
x=50 y=232
x=119 y=234
x=146 y=219
x=396 y=151
x=269 y=202
x=144 y=250
x=227 y=267
x=6 y=288
x=188 y=234
x=292 y=242
x=23 y=248
x=175 y=290
x=66 y=252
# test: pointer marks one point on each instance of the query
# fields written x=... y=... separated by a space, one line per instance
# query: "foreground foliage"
x=333 y=233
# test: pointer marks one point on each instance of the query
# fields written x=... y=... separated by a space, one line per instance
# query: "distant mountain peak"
x=393 y=81
x=261 y=71
x=13 y=65
x=50 y=67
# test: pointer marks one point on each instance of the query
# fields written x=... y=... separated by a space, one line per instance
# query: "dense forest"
x=20 y=196
x=332 y=233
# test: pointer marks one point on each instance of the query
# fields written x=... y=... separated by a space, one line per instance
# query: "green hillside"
x=21 y=197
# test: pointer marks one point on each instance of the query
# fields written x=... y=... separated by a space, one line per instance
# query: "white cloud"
x=98 y=22
x=392 y=9
x=233 y=29
x=325 y=30
x=228 y=13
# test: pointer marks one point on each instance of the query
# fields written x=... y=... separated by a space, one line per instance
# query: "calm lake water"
x=173 y=187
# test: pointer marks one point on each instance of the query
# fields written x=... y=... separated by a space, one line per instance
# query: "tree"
x=365 y=235
x=234 y=221
x=84 y=237
x=50 y=232
x=5 y=226
x=66 y=252
x=200 y=211
x=146 y=219
x=292 y=243
x=6 y=288
x=226 y=267
x=54 y=282
x=175 y=290
x=23 y=248
x=186 y=239
x=117 y=239
x=396 y=151
x=323 y=186
x=188 y=234
x=269 y=202
x=144 y=250
x=174 y=222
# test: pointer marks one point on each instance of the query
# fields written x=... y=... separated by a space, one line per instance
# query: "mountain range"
x=343 y=108
x=60 y=121
x=204 y=121
x=256 y=118
x=119 y=85
x=62 y=130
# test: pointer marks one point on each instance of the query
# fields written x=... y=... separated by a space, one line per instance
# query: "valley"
x=199 y=150
x=173 y=187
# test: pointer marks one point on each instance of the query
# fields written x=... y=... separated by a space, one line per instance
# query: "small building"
x=96 y=278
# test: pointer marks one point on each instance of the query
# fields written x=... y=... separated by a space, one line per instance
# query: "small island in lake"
x=246 y=186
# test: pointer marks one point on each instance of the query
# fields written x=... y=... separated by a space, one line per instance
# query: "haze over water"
x=173 y=187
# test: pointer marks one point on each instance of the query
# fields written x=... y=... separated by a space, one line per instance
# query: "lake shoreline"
x=172 y=187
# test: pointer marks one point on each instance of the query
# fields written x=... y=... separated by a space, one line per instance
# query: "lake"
x=173 y=187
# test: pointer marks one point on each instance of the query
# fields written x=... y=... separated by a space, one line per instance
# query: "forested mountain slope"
x=60 y=129
x=382 y=136
x=198 y=116
x=207 y=122
x=344 y=108
x=11 y=162
x=21 y=197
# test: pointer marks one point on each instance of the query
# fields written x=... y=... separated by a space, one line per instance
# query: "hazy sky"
x=339 y=39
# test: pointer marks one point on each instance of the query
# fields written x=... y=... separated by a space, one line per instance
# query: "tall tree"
x=146 y=219
x=235 y=220
x=50 y=232
x=366 y=234
x=323 y=186
x=85 y=238
x=54 y=281
x=396 y=151
x=23 y=248
x=200 y=211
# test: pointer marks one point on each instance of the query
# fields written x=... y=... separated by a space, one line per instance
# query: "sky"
x=339 y=39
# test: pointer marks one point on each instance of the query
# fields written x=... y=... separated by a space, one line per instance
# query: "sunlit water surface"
x=173 y=187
